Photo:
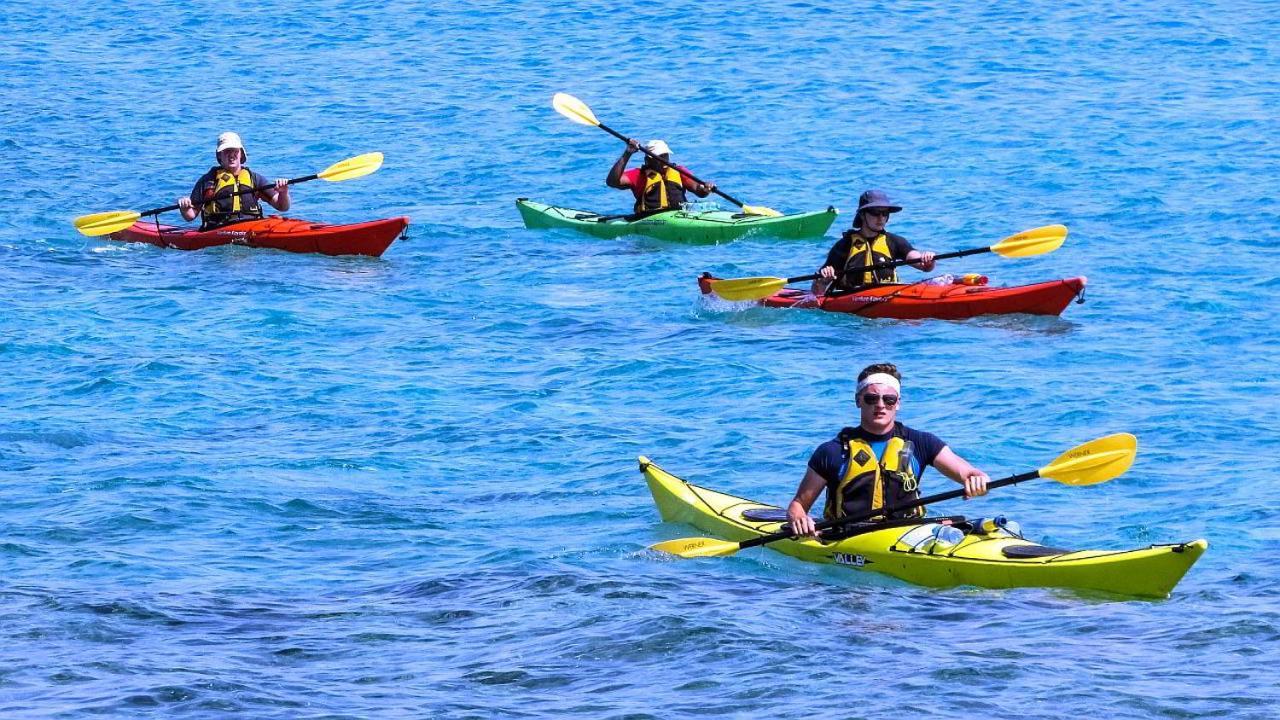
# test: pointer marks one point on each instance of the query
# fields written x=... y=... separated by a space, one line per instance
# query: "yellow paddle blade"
x=752 y=288
x=574 y=109
x=697 y=547
x=1093 y=462
x=352 y=168
x=1029 y=243
x=105 y=223
x=760 y=210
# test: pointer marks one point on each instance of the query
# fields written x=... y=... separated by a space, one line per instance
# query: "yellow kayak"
x=908 y=549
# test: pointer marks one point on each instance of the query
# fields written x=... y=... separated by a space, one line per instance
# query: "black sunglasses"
x=870 y=399
x=877 y=213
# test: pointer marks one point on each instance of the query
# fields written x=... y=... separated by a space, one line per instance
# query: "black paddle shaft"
x=690 y=175
x=899 y=263
x=862 y=517
x=246 y=191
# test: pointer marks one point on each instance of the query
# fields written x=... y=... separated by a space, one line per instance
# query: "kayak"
x=905 y=549
x=913 y=301
x=280 y=233
x=691 y=226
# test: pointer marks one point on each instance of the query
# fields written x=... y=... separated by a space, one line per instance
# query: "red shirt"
x=632 y=177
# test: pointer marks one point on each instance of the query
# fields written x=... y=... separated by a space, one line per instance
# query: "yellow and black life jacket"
x=863 y=254
x=223 y=204
x=870 y=483
x=663 y=190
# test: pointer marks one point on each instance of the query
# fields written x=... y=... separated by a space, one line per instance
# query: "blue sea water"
x=252 y=483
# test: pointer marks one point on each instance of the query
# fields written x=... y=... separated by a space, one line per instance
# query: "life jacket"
x=870 y=483
x=663 y=190
x=863 y=254
x=222 y=204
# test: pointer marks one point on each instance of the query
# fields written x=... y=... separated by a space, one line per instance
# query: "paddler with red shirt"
x=217 y=197
x=657 y=186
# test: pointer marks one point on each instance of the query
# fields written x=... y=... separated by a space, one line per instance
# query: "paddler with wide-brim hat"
x=868 y=243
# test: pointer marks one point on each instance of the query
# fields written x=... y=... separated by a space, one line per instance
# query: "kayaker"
x=879 y=463
x=656 y=186
x=868 y=243
x=214 y=198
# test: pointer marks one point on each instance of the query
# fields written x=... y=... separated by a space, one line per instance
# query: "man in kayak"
x=867 y=243
x=657 y=187
x=879 y=463
x=215 y=193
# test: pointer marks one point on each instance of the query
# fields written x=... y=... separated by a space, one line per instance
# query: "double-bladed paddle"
x=1093 y=462
x=577 y=111
x=1028 y=243
x=105 y=223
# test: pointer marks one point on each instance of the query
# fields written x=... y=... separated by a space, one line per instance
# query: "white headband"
x=878 y=379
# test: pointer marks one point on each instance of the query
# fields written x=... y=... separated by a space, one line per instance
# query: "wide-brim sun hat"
x=873 y=199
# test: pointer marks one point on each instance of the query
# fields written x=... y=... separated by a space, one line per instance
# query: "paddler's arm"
x=798 y=510
x=699 y=189
x=189 y=211
x=820 y=285
x=958 y=469
x=277 y=196
x=828 y=269
x=921 y=260
x=187 y=205
x=614 y=179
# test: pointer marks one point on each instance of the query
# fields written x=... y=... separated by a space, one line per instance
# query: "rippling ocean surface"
x=252 y=483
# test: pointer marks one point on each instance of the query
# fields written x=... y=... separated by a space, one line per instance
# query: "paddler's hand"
x=926 y=261
x=706 y=189
x=633 y=147
x=976 y=485
x=184 y=203
x=802 y=524
x=827 y=273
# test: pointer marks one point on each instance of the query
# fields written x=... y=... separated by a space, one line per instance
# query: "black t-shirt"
x=839 y=253
x=828 y=459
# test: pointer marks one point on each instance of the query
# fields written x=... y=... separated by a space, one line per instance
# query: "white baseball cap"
x=230 y=140
x=657 y=147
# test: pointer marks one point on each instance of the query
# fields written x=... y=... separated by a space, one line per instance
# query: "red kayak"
x=280 y=233
x=915 y=301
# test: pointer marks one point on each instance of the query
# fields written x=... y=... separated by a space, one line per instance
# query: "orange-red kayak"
x=281 y=233
x=946 y=302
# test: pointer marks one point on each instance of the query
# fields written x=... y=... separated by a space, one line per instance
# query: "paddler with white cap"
x=217 y=197
x=657 y=185
x=879 y=463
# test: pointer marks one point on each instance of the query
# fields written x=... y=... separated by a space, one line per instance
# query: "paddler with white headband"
x=877 y=464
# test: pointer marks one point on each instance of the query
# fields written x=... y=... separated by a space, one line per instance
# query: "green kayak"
x=712 y=226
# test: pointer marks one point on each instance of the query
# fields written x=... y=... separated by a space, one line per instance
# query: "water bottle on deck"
x=991 y=525
x=945 y=537
x=986 y=526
